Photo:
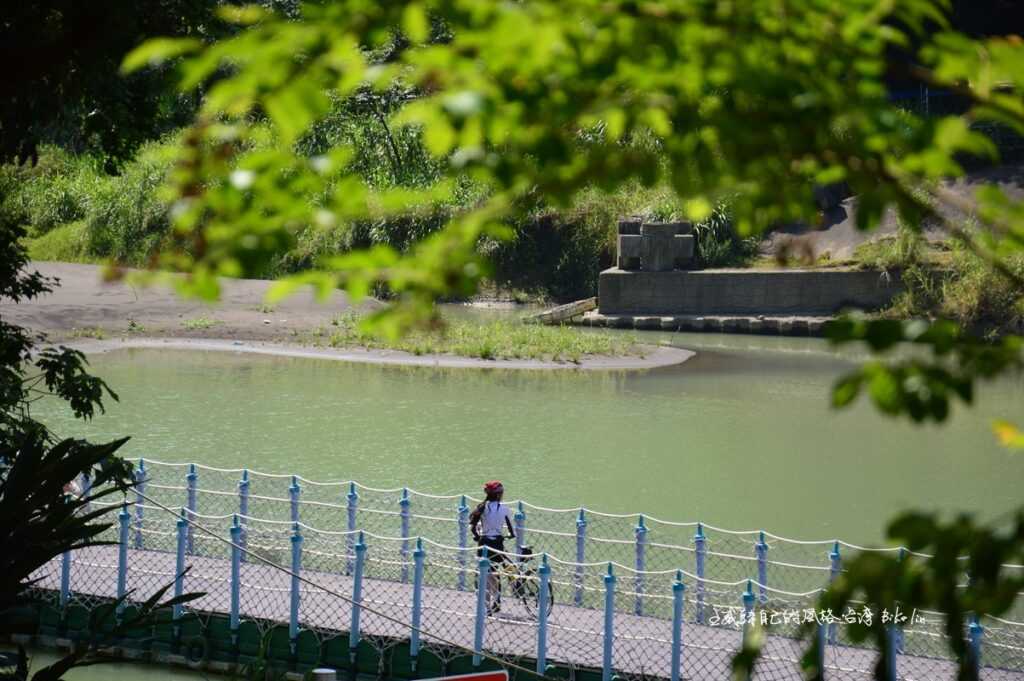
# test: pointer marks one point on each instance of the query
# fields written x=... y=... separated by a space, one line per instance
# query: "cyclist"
x=492 y=517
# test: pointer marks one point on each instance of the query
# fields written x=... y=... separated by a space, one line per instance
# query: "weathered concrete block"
x=657 y=246
x=629 y=251
x=683 y=246
x=743 y=292
x=630 y=226
x=687 y=323
x=654 y=246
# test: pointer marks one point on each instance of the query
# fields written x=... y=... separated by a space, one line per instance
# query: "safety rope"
x=649 y=519
x=339 y=595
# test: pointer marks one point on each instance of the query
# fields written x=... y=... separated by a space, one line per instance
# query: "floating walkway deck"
x=633 y=598
x=641 y=648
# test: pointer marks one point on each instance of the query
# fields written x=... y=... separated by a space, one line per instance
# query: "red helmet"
x=493 y=487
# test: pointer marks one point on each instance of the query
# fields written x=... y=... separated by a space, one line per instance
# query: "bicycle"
x=523 y=583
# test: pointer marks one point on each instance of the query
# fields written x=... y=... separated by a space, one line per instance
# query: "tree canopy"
x=68 y=89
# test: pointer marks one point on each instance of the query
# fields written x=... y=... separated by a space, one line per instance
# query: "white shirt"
x=492 y=521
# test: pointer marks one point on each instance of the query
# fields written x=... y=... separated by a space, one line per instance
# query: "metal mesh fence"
x=579 y=535
x=644 y=597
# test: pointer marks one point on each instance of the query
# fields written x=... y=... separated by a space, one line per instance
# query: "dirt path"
x=85 y=306
x=96 y=316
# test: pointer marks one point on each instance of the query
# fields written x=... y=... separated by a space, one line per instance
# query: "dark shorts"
x=496 y=543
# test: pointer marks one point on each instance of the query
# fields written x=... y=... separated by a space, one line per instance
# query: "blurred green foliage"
x=536 y=102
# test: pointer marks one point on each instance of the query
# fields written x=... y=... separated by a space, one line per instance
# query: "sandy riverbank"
x=96 y=316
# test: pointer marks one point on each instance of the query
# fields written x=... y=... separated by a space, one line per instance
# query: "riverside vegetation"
x=944 y=280
x=75 y=211
x=498 y=339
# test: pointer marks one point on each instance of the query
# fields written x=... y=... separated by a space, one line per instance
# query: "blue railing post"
x=748 y=610
x=65 y=579
x=403 y=505
x=293 y=615
x=609 y=624
x=191 y=479
x=463 y=518
x=836 y=567
x=678 y=588
x=520 y=525
x=294 y=490
x=350 y=541
x=179 y=564
x=581 y=555
x=122 y=556
x=243 y=511
x=542 y=614
x=236 y=574
x=641 y=564
x=761 y=550
x=483 y=565
x=974 y=634
x=418 y=556
x=357 y=598
x=140 y=490
x=892 y=635
x=700 y=542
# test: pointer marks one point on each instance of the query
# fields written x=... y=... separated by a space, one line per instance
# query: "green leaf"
x=415 y=23
x=846 y=389
x=244 y=15
x=1008 y=434
x=885 y=389
x=156 y=51
x=294 y=108
x=439 y=137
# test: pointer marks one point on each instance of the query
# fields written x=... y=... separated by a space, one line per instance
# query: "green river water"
x=741 y=436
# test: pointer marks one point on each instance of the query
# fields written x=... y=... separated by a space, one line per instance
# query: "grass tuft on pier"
x=497 y=339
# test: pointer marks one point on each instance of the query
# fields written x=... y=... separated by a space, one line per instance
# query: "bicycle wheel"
x=528 y=591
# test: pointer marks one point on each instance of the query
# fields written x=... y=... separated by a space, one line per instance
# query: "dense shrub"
x=59 y=189
x=129 y=219
x=557 y=252
x=67 y=243
x=959 y=285
x=979 y=297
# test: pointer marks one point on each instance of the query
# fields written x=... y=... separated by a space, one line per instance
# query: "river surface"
x=741 y=436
